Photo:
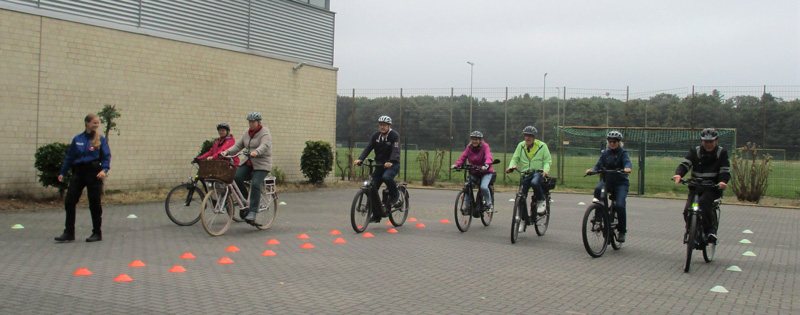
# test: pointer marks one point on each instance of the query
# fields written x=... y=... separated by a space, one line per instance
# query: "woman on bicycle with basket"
x=258 y=143
x=478 y=154
x=224 y=142
x=616 y=157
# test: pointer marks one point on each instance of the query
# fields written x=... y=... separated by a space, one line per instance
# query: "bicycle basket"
x=216 y=169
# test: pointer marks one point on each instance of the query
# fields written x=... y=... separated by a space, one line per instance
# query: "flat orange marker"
x=339 y=241
x=187 y=255
x=136 y=263
x=335 y=232
x=268 y=252
x=303 y=237
x=368 y=234
x=388 y=223
x=444 y=221
x=273 y=242
x=232 y=249
x=225 y=260
x=82 y=272
x=177 y=268
x=123 y=278
x=412 y=220
x=420 y=225
x=392 y=230
x=307 y=246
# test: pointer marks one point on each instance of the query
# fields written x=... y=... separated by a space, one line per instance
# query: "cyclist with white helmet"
x=386 y=144
x=222 y=143
x=708 y=162
x=616 y=157
x=479 y=155
x=532 y=154
x=258 y=142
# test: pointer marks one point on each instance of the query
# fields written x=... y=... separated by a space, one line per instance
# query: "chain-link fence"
x=441 y=119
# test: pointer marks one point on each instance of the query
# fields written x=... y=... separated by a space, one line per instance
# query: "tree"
x=107 y=116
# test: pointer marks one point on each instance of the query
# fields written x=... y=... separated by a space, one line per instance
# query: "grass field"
x=783 y=181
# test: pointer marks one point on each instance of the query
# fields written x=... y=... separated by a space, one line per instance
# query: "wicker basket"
x=216 y=169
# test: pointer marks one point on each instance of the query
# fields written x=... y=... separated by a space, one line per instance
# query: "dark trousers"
x=386 y=175
x=256 y=178
x=706 y=204
x=621 y=192
x=84 y=177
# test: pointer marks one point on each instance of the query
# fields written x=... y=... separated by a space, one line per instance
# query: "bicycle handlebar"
x=697 y=182
x=524 y=173
x=472 y=167
x=243 y=152
x=606 y=171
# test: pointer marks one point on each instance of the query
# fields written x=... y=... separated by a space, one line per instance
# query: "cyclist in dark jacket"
x=616 y=157
x=386 y=144
x=708 y=162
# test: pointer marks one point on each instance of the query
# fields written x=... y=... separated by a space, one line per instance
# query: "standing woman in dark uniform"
x=90 y=158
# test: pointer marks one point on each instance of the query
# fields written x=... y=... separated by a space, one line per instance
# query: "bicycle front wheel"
x=217 y=212
x=541 y=221
x=463 y=211
x=691 y=239
x=268 y=210
x=360 y=212
x=486 y=216
x=595 y=230
x=184 y=203
x=516 y=220
x=710 y=249
x=398 y=215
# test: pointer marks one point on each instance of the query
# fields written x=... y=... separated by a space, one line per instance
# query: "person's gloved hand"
x=485 y=167
x=195 y=160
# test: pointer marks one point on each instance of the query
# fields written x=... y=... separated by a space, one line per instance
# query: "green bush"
x=316 y=161
x=280 y=176
x=48 y=161
x=205 y=147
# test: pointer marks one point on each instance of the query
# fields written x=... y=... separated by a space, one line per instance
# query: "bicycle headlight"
x=695 y=207
x=366 y=182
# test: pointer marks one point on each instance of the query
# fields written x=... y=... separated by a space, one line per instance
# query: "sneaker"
x=490 y=209
x=711 y=238
x=522 y=227
x=540 y=207
x=251 y=216
x=595 y=200
x=398 y=204
x=621 y=237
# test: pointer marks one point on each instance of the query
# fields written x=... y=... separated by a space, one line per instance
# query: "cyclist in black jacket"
x=708 y=162
x=386 y=143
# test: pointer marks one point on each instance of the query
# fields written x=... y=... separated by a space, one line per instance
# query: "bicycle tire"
x=185 y=208
x=486 y=216
x=541 y=228
x=216 y=220
x=595 y=230
x=614 y=234
x=398 y=216
x=268 y=211
x=710 y=249
x=690 y=242
x=463 y=211
x=360 y=212
x=516 y=220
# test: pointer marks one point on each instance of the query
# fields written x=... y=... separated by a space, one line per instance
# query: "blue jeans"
x=621 y=191
x=256 y=179
x=386 y=175
x=536 y=181
x=485 y=180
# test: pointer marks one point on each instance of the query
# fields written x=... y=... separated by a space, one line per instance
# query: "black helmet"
x=530 y=130
x=476 y=134
x=709 y=134
x=614 y=135
x=224 y=126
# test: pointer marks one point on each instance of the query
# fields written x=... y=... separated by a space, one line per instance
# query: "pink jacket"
x=218 y=147
x=479 y=156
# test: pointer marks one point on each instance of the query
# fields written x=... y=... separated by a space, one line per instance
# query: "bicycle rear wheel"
x=595 y=230
x=690 y=242
x=360 y=212
x=486 y=216
x=398 y=215
x=541 y=221
x=217 y=212
x=463 y=211
x=268 y=210
x=184 y=204
x=516 y=220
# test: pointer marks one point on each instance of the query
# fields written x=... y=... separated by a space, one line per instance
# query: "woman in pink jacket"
x=224 y=142
x=479 y=155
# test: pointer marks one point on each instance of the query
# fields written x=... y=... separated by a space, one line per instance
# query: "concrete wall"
x=171 y=96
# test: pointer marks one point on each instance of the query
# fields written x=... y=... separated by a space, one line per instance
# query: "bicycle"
x=695 y=237
x=600 y=219
x=218 y=203
x=467 y=205
x=367 y=203
x=539 y=221
x=179 y=209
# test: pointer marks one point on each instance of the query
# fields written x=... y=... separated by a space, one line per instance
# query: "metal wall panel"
x=30 y=3
x=217 y=21
x=284 y=28
x=125 y=12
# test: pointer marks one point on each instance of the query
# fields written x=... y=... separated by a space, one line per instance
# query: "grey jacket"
x=261 y=143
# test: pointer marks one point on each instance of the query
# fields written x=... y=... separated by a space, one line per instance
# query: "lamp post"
x=608 y=104
x=544 y=86
x=471 y=66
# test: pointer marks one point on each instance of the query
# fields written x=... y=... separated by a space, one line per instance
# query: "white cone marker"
x=581 y=203
x=17 y=226
x=510 y=199
x=749 y=253
x=747 y=232
x=719 y=289
x=132 y=216
x=282 y=203
x=745 y=241
x=734 y=268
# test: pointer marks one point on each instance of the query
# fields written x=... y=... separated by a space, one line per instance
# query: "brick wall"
x=171 y=95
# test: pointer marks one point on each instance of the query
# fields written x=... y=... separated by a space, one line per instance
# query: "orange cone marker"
x=307 y=246
x=137 y=263
x=225 y=260
x=335 y=232
x=412 y=220
x=303 y=236
x=177 y=268
x=420 y=225
x=360 y=227
x=268 y=252
x=392 y=230
x=368 y=234
x=232 y=249
x=339 y=241
x=388 y=223
x=187 y=255
x=123 y=278
x=444 y=221
x=273 y=242
x=82 y=272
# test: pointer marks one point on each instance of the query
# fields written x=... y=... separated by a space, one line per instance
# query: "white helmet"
x=385 y=119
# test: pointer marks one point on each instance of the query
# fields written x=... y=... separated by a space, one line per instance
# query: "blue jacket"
x=82 y=151
x=614 y=159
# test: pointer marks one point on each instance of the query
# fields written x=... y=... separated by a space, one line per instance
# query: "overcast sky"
x=647 y=45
